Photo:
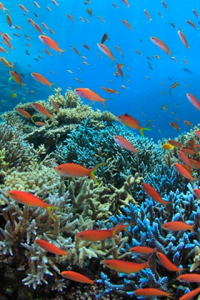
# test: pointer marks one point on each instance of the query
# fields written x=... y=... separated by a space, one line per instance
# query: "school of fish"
x=185 y=156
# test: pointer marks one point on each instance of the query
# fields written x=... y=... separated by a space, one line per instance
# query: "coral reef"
x=79 y=134
x=71 y=112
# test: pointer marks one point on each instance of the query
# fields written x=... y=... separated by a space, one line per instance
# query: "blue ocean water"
x=142 y=98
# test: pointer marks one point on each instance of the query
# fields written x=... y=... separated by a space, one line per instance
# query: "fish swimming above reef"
x=132 y=123
x=50 y=247
x=124 y=143
x=94 y=235
x=90 y=95
x=125 y=266
x=75 y=276
x=31 y=200
x=76 y=170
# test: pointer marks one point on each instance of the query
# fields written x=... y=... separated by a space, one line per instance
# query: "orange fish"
x=89 y=11
x=195 y=163
x=196 y=13
x=197 y=193
x=188 y=123
x=173 y=86
x=124 y=143
x=115 y=5
x=109 y=90
x=160 y=44
x=126 y=2
x=47 y=52
x=193 y=100
x=119 y=69
x=41 y=109
x=55 y=105
x=40 y=78
x=147 y=14
x=197 y=133
x=75 y=170
x=167 y=263
x=39 y=123
x=50 y=247
x=173 y=124
x=95 y=235
x=191 y=294
x=16 y=77
x=152 y=292
x=6 y=63
x=54 y=2
x=31 y=200
x=184 y=158
x=7 y=41
x=192 y=24
x=143 y=250
x=183 y=39
x=75 y=50
x=2 y=7
x=127 y=24
x=106 y=51
x=70 y=17
x=36 y=4
x=23 y=7
x=101 y=19
x=164 y=4
x=50 y=43
x=37 y=27
x=120 y=51
x=188 y=151
x=153 y=194
x=23 y=113
x=189 y=277
x=184 y=172
x=3 y=50
x=177 y=226
x=125 y=266
x=86 y=46
x=90 y=95
x=9 y=20
x=45 y=26
x=132 y=123
x=75 y=276
x=175 y=144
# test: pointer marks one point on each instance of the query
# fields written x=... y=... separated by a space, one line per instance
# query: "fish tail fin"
x=51 y=84
x=32 y=118
x=195 y=226
x=60 y=52
x=92 y=171
x=143 y=128
x=125 y=227
x=121 y=227
x=103 y=102
x=149 y=265
x=49 y=208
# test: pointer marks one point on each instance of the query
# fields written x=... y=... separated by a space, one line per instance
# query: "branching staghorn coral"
x=178 y=246
x=25 y=224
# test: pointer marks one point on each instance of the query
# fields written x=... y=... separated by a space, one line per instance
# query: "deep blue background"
x=142 y=98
